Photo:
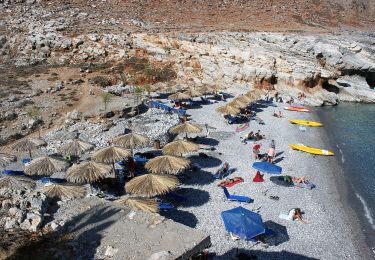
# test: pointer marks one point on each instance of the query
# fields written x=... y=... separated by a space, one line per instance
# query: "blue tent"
x=243 y=223
x=267 y=167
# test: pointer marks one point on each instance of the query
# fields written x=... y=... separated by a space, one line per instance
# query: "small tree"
x=34 y=113
x=147 y=88
x=106 y=97
x=138 y=94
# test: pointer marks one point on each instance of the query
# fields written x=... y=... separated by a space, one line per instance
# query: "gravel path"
x=327 y=234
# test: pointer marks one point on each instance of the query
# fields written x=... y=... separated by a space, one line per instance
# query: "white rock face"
x=289 y=63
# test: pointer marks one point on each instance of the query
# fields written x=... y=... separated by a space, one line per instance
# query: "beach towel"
x=308 y=186
x=242 y=127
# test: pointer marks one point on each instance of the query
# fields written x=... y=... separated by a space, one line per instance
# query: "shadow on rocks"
x=243 y=254
x=78 y=239
x=184 y=217
x=280 y=233
x=205 y=160
x=200 y=177
x=193 y=197
x=206 y=141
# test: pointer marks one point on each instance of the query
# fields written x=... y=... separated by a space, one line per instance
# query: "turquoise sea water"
x=351 y=131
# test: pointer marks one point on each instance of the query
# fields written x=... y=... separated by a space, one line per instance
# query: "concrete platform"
x=105 y=229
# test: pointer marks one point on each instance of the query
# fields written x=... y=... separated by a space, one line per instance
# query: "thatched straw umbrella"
x=144 y=204
x=238 y=104
x=186 y=128
x=193 y=92
x=64 y=191
x=45 y=166
x=16 y=183
x=111 y=155
x=206 y=90
x=180 y=147
x=76 y=148
x=245 y=99
x=131 y=141
x=228 y=110
x=149 y=185
x=179 y=96
x=87 y=172
x=167 y=164
x=6 y=159
x=28 y=144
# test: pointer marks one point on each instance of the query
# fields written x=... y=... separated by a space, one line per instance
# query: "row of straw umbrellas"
x=234 y=107
x=159 y=180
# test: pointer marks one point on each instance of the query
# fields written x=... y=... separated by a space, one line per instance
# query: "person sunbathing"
x=220 y=173
x=229 y=181
x=259 y=136
x=294 y=215
x=300 y=180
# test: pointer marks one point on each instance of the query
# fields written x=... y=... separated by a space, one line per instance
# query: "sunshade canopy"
x=243 y=223
x=87 y=172
x=76 y=148
x=63 y=191
x=186 y=128
x=131 y=140
x=45 y=166
x=111 y=155
x=180 y=147
x=228 y=110
x=167 y=164
x=144 y=204
x=149 y=185
x=267 y=167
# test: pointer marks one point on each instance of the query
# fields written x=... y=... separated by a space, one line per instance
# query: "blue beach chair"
x=12 y=172
x=236 y=197
x=165 y=206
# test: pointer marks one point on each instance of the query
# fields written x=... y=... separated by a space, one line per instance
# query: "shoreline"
x=327 y=226
x=348 y=194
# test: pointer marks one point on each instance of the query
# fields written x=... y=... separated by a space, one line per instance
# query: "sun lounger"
x=51 y=180
x=153 y=104
x=12 y=172
x=165 y=206
x=236 y=197
x=140 y=159
x=26 y=161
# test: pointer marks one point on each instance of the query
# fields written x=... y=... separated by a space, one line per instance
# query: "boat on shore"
x=298 y=109
x=312 y=150
x=305 y=122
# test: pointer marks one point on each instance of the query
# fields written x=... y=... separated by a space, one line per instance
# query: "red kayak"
x=298 y=109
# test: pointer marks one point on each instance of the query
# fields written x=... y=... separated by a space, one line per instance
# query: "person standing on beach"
x=256 y=151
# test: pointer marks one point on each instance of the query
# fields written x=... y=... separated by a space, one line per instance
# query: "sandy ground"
x=328 y=233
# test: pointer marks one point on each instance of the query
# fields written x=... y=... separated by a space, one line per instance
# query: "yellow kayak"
x=305 y=122
x=312 y=150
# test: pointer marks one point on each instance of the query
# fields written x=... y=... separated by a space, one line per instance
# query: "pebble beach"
x=329 y=232
x=328 y=226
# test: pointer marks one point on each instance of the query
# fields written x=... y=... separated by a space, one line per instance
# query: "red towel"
x=233 y=183
x=258 y=177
